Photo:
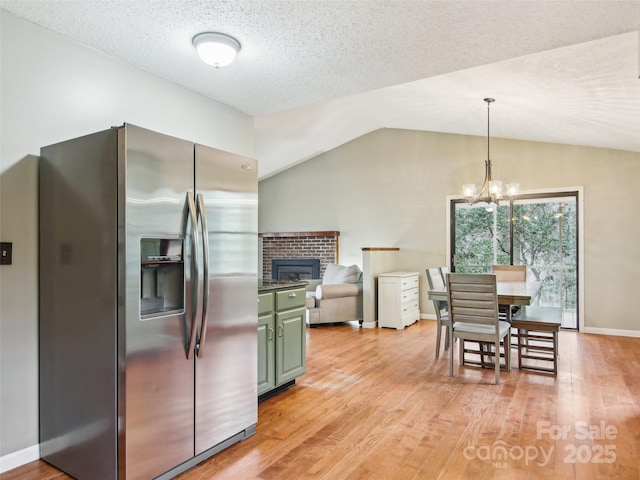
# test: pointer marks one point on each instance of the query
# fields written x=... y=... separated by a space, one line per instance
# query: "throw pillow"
x=341 y=274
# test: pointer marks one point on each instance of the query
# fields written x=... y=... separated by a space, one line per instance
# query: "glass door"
x=545 y=240
x=542 y=235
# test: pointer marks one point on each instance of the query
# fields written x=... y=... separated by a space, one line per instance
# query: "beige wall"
x=389 y=188
x=53 y=89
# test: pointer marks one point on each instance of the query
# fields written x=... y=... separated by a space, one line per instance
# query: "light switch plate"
x=6 y=253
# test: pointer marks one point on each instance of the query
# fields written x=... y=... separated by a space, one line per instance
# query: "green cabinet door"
x=266 y=354
x=291 y=345
x=266 y=344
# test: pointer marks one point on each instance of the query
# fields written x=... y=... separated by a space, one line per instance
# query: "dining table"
x=509 y=294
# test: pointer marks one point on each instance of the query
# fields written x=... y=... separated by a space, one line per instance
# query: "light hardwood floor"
x=375 y=404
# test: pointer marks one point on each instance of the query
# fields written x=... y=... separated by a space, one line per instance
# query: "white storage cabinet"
x=398 y=299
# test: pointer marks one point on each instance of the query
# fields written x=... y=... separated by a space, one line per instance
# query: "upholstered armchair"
x=337 y=297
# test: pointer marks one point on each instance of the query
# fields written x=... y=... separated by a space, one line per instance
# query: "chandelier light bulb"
x=469 y=190
x=495 y=187
x=513 y=189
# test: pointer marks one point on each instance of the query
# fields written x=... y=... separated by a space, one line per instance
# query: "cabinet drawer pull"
x=292 y=295
x=280 y=330
x=270 y=335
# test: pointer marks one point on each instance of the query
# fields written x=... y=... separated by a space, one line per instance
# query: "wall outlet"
x=5 y=253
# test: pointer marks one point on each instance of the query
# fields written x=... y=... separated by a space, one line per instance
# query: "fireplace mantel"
x=331 y=233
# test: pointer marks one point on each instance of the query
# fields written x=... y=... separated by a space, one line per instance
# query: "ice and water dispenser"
x=161 y=277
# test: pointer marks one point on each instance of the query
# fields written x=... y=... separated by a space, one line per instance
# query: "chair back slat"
x=480 y=295
x=482 y=313
x=466 y=306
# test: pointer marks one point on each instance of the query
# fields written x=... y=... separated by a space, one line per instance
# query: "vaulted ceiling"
x=318 y=73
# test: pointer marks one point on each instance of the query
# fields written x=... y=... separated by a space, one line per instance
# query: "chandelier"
x=491 y=192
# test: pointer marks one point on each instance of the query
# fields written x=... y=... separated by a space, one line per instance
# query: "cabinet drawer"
x=410 y=295
x=410 y=314
x=290 y=299
x=409 y=308
x=265 y=303
x=409 y=282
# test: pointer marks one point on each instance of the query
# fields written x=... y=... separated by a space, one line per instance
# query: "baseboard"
x=423 y=316
x=612 y=331
x=19 y=458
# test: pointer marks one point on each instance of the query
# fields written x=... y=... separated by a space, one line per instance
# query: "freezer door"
x=226 y=361
x=156 y=404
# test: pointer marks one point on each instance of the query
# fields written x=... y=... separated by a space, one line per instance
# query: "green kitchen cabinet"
x=282 y=342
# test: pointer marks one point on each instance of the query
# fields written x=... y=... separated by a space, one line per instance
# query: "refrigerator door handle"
x=194 y=272
x=205 y=272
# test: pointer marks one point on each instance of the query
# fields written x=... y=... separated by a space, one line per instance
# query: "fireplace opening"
x=294 y=269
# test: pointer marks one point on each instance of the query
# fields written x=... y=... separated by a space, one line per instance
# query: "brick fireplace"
x=322 y=246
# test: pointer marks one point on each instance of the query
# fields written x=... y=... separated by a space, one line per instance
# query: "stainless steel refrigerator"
x=148 y=317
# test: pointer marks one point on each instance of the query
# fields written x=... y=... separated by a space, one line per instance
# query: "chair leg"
x=497 y=362
x=451 y=353
x=447 y=340
x=438 y=336
x=507 y=351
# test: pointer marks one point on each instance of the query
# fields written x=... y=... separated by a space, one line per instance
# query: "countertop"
x=265 y=285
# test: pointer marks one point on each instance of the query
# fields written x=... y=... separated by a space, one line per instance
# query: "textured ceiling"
x=319 y=73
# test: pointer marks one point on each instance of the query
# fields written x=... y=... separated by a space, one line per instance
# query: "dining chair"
x=510 y=273
x=436 y=280
x=473 y=313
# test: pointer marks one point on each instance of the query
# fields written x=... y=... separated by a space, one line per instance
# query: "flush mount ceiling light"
x=491 y=192
x=216 y=49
